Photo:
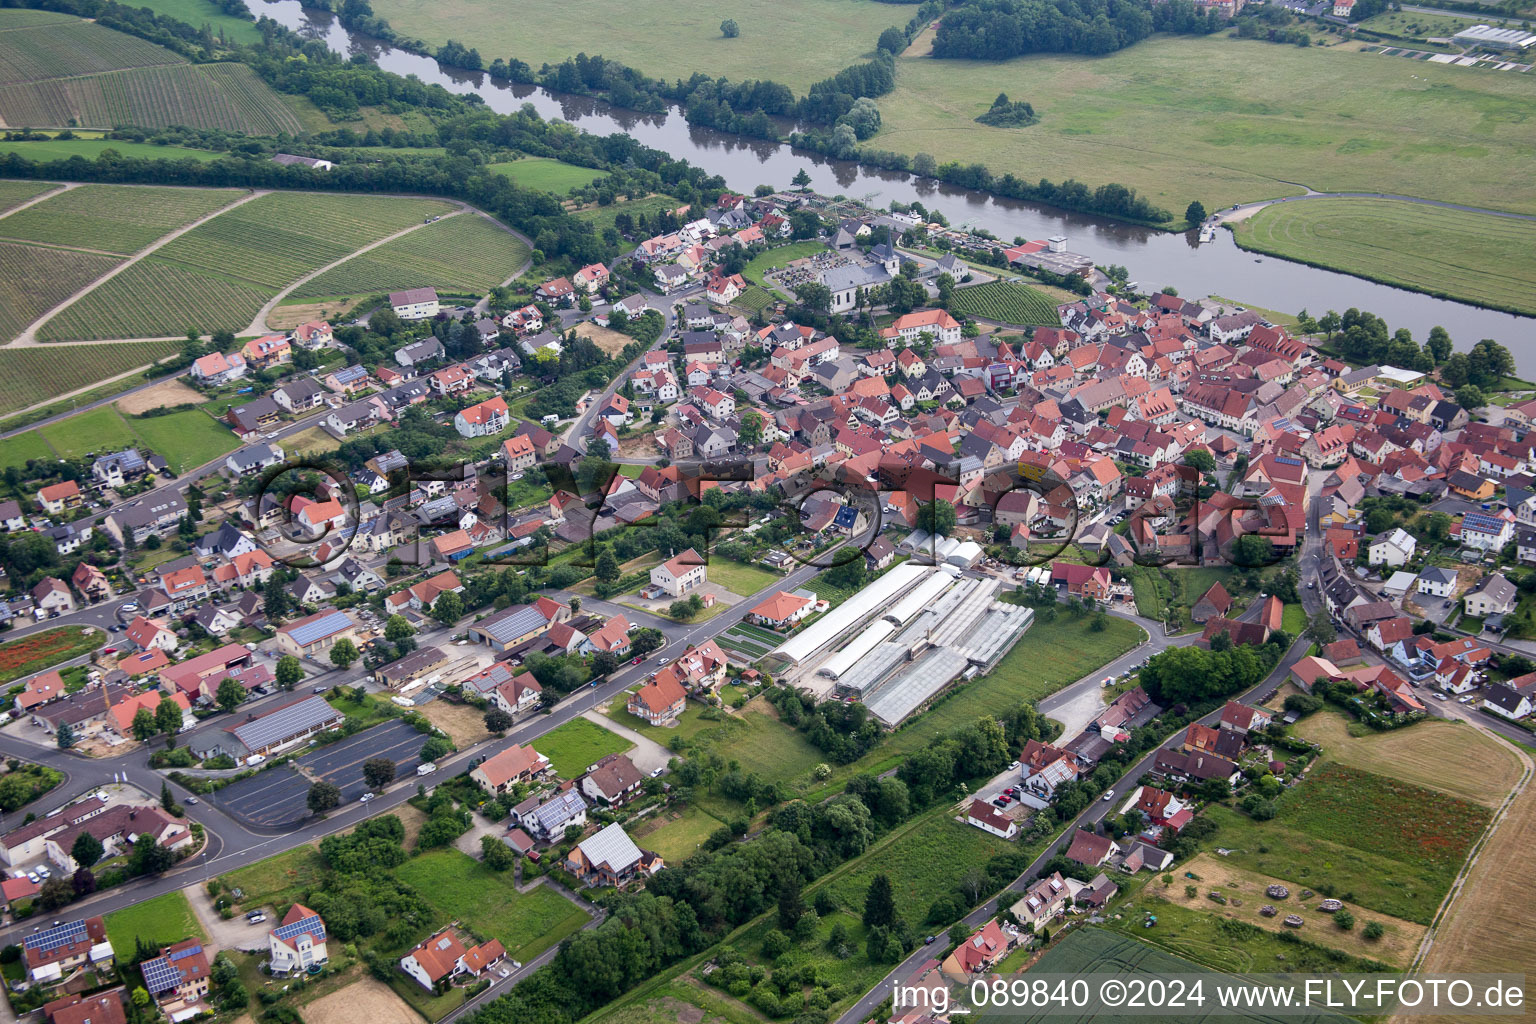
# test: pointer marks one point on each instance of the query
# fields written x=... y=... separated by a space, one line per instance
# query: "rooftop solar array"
x=311 y=925
x=161 y=974
x=285 y=722
x=59 y=935
x=320 y=628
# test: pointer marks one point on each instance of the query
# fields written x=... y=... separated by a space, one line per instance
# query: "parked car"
x=1109 y=795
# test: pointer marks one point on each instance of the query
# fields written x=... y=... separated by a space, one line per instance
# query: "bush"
x=1373 y=931
x=1344 y=920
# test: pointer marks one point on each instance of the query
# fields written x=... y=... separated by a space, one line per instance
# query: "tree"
x=1471 y=397
x=168 y=716
x=56 y=892
x=575 y=603
x=344 y=652
x=497 y=721
x=801 y=178
x=1251 y=551
x=498 y=856
x=83 y=882
x=448 y=608
x=892 y=41
x=1344 y=919
x=607 y=568
x=144 y=724
x=229 y=695
x=149 y=857
x=167 y=799
x=275 y=600
x=729 y=28
x=87 y=850
x=435 y=748
x=816 y=298
x=1195 y=212
x=378 y=772
x=791 y=906
x=1488 y=362
x=289 y=671
x=1199 y=458
x=604 y=663
x=1319 y=628
x=398 y=629
x=322 y=797
x=66 y=736
x=1373 y=931
x=751 y=430
x=937 y=517
x=879 y=904
x=1438 y=344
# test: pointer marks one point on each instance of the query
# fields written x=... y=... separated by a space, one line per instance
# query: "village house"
x=680 y=574
x=298 y=942
x=659 y=701
x=613 y=781
x=414 y=303
x=611 y=858
x=500 y=772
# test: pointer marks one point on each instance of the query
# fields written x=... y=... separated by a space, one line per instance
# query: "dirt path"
x=484 y=304
x=258 y=324
x=37 y=199
x=28 y=337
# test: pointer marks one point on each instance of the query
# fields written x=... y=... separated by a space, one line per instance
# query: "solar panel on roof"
x=285 y=722
x=320 y=628
x=311 y=925
x=59 y=935
x=181 y=954
x=160 y=975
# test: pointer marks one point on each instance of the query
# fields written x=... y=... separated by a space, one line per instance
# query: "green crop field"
x=18 y=17
x=70 y=48
x=1223 y=121
x=465 y=890
x=1009 y=303
x=115 y=218
x=1487 y=260
x=463 y=254
x=82 y=75
x=14 y=193
x=34 y=279
x=32 y=375
x=159 y=922
x=198 y=13
x=796 y=42
x=186 y=439
x=90 y=149
x=218 y=275
x=546 y=175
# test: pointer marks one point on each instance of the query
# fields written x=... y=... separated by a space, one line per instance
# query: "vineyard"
x=227 y=97
x=155 y=299
x=34 y=279
x=14 y=193
x=70 y=48
x=218 y=276
x=32 y=375
x=1007 y=303
x=466 y=254
x=114 y=218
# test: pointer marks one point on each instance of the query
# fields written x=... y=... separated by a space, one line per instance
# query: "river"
x=1154 y=258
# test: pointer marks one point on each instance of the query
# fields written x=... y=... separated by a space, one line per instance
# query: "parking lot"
x=279 y=797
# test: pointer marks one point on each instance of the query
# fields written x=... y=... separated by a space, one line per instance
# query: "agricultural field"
x=465 y=890
x=754 y=299
x=36 y=651
x=160 y=921
x=69 y=47
x=545 y=174
x=32 y=375
x=465 y=254
x=34 y=279
x=14 y=193
x=217 y=276
x=1468 y=256
x=1435 y=754
x=577 y=744
x=1223 y=121
x=198 y=13
x=90 y=149
x=115 y=218
x=795 y=42
x=1009 y=303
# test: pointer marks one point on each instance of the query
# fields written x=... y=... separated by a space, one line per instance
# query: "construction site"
x=903 y=639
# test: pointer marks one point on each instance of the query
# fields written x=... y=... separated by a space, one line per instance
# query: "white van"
x=426 y=769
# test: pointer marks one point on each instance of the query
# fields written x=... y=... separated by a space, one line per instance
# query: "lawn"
x=546 y=175
x=781 y=257
x=687 y=725
x=740 y=579
x=1447 y=756
x=676 y=836
x=93 y=431
x=1168 y=594
x=1467 y=256
x=795 y=42
x=488 y=903
x=186 y=439
x=18 y=450
x=1294 y=620
x=1415 y=25
x=603 y=216
x=279 y=880
x=161 y=921
x=1223 y=121
x=198 y=13
x=577 y=744
x=36 y=651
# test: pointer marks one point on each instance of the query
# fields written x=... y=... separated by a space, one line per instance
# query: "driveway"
x=648 y=755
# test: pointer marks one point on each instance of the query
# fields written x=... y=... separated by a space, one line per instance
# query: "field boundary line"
x=59 y=190
x=258 y=324
x=81 y=390
x=28 y=337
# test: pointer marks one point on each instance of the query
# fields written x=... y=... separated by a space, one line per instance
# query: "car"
x=1108 y=681
x=656 y=772
x=1464 y=700
x=1109 y=795
x=504 y=972
x=32 y=877
x=1312 y=585
x=43 y=872
x=190 y=800
x=661 y=660
x=1009 y=791
x=637 y=661
x=109 y=650
x=367 y=797
x=116 y=627
x=1441 y=696
x=929 y=940
x=999 y=802
x=1013 y=766
x=321 y=689
x=131 y=606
